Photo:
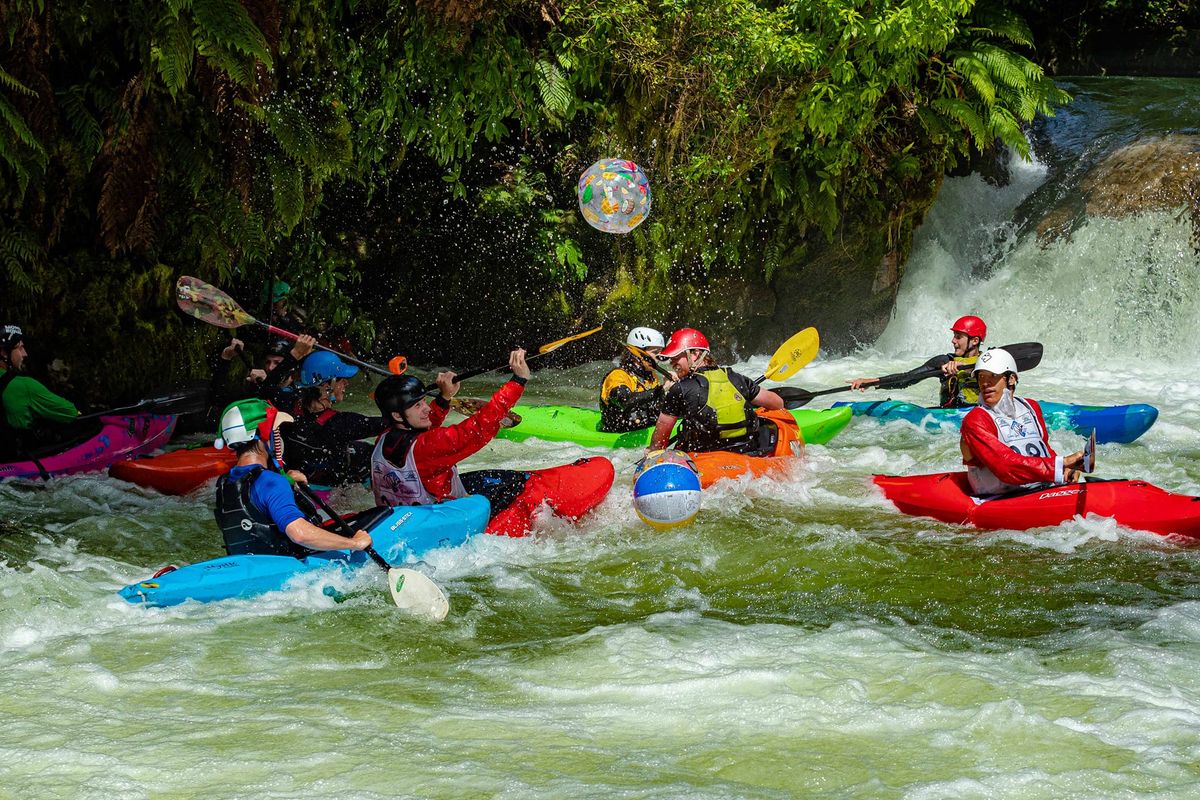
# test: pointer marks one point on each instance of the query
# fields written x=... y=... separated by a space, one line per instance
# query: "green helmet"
x=244 y=421
x=280 y=290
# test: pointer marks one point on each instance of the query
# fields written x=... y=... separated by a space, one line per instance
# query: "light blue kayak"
x=1112 y=423
x=400 y=533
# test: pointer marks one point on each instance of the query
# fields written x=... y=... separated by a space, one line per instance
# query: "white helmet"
x=645 y=337
x=997 y=361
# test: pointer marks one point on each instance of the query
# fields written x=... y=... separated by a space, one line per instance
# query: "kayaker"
x=715 y=403
x=415 y=461
x=278 y=386
x=257 y=508
x=632 y=394
x=282 y=316
x=324 y=443
x=31 y=411
x=958 y=390
x=1005 y=443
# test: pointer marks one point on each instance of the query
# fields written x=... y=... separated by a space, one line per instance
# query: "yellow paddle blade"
x=793 y=354
x=546 y=348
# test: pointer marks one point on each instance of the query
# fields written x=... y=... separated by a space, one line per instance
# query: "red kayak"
x=570 y=491
x=176 y=472
x=1135 y=504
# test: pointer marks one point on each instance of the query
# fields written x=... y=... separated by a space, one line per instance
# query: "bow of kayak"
x=1134 y=504
x=581 y=426
x=400 y=533
x=178 y=471
x=120 y=437
x=1113 y=424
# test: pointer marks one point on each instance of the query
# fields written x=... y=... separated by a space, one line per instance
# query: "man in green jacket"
x=26 y=402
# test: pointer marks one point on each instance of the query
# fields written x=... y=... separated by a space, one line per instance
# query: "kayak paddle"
x=1089 y=454
x=411 y=590
x=1027 y=355
x=545 y=349
x=183 y=401
x=208 y=303
x=792 y=356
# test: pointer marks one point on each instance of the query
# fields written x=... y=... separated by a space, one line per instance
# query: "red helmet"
x=971 y=326
x=684 y=339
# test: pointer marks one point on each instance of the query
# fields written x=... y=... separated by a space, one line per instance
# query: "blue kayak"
x=1112 y=423
x=400 y=533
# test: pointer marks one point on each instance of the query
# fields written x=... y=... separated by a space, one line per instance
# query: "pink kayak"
x=120 y=437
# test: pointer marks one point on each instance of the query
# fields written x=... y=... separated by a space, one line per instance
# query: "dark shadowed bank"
x=409 y=167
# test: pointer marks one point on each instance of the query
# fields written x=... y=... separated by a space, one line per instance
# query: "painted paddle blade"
x=1089 y=454
x=557 y=343
x=417 y=594
x=793 y=355
x=208 y=303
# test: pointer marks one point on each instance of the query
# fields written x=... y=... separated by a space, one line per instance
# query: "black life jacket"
x=248 y=530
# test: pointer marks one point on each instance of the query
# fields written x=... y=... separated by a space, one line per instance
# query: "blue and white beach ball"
x=666 y=495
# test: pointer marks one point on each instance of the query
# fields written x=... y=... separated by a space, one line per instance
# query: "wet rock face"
x=1160 y=173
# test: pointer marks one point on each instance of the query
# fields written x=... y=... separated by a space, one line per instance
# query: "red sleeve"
x=980 y=440
x=443 y=446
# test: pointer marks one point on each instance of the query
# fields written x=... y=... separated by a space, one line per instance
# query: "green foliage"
x=391 y=157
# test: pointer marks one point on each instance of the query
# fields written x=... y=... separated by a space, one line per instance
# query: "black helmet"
x=10 y=336
x=398 y=392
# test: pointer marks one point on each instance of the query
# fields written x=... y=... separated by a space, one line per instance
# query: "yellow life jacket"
x=961 y=390
x=728 y=403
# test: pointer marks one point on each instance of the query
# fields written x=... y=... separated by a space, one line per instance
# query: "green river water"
x=800 y=639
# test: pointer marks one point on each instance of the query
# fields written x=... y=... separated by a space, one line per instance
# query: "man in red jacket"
x=415 y=461
x=1005 y=444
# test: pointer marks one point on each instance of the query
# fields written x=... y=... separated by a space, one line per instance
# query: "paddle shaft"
x=178 y=403
x=1027 y=355
x=378 y=370
x=338 y=523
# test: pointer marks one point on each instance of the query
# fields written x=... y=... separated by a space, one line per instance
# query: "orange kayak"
x=715 y=465
x=176 y=472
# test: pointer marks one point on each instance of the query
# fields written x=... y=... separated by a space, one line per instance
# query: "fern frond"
x=12 y=83
x=84 y=124
x=554 y=89
x=226 y=23
x=20 y=130
x=1005 y=127
x=1006 y=66
x=967 y=117
x=973 y=69
x=287 y=192
x=173 y=52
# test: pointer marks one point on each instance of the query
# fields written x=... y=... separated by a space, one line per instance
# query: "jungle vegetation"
x=409 y=167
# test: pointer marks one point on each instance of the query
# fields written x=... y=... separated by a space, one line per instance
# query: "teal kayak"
x=581 y=426
x=400 y=533
x=1112 y=423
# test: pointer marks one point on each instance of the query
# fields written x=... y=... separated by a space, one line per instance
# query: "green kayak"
x=578 y=425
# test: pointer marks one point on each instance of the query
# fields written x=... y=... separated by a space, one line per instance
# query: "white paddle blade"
x=417 y=594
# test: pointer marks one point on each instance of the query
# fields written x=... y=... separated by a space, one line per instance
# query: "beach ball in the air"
x=614 y=195
x=666 y=494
